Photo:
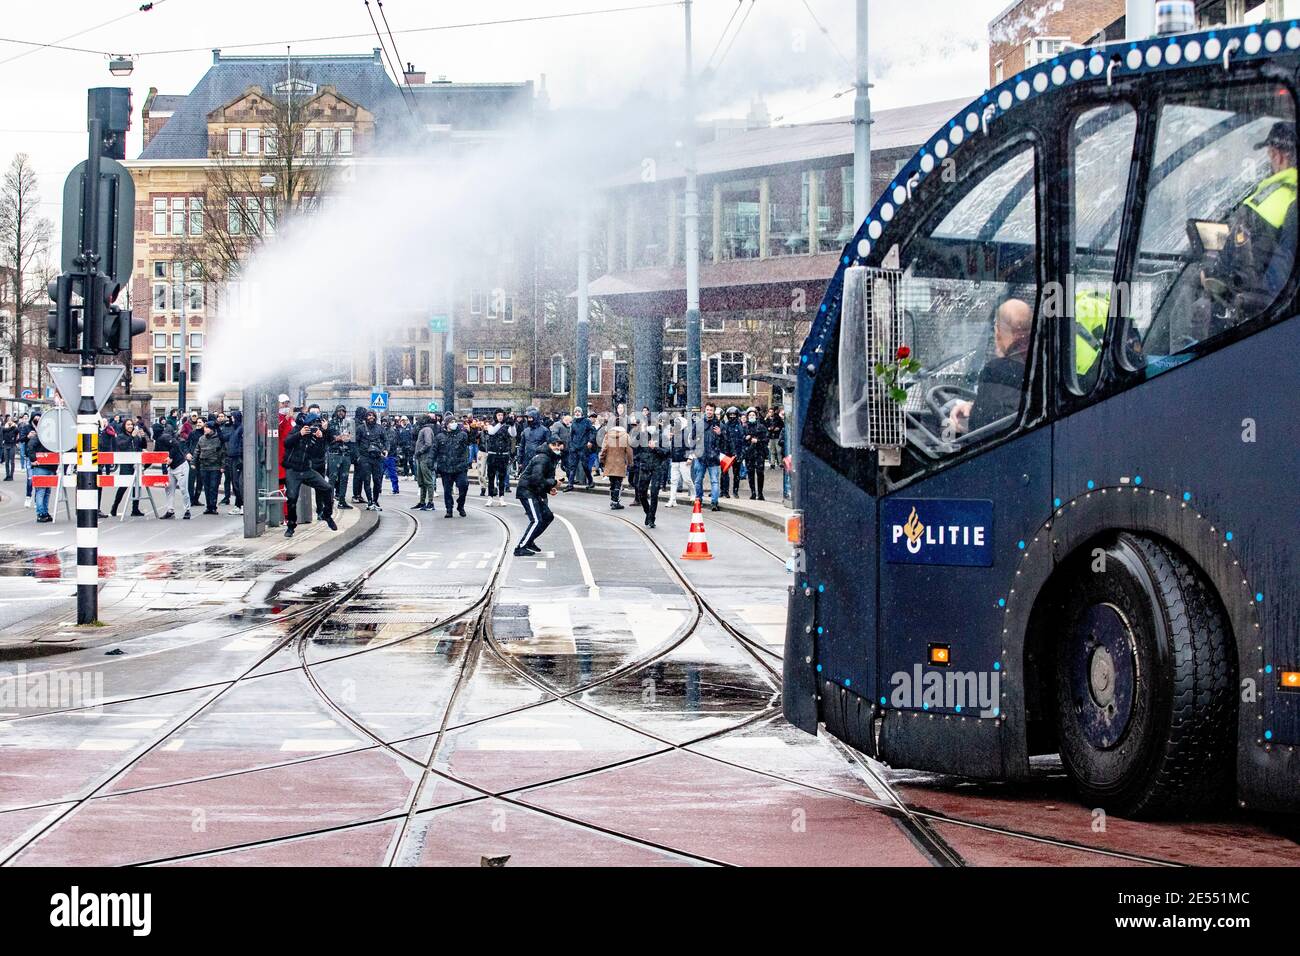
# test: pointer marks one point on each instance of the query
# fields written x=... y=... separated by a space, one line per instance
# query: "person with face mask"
x=653 y=460
x=210 y=457
x=451 y=458
x=372 y=449
x=679 y=473
x=497 y=439
x=390 y=452
x=533 y=438
x=582 y=442
x=338 y=456
x=358 y=419
x=755 y=454
x=424 y=467
x=733 y=444
x=563 y=430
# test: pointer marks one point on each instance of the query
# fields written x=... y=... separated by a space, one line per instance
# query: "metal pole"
x=87 y=413
x=184 y=377
x=862 y=126
x=691 y=224
x=583 y=344
x=449 y=353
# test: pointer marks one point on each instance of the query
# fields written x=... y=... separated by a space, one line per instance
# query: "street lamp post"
x=691 y=225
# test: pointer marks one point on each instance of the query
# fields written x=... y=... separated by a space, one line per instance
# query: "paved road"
x=429 y=699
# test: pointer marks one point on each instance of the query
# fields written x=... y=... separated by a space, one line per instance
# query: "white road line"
x=305 y=745
x=593 y=592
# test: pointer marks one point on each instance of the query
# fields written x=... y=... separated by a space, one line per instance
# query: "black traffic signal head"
x=120 y=326
x=63 y=320
x=112 y=107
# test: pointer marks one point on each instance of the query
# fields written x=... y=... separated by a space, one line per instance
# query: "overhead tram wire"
x=827 y=33
x=717 y=46
x=54 y=44
x=400 y=62
x=409 y=30
x=59 y=45
x=384 y=47
x=739 y=29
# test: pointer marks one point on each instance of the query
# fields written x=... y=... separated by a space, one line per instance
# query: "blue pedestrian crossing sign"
x=379 y=401
x=433 y=407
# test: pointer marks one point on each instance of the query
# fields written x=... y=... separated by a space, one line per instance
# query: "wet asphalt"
x=429 y=699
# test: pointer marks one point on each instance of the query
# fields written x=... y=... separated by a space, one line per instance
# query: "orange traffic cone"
x=697 y=546
x=726 y=461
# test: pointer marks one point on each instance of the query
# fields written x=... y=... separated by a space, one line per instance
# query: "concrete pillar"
x=647 y=359
x=814 y=200
x=717 y=223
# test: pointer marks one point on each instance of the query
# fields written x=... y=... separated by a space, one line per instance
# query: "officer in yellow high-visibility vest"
x=1260 y=248
x=1091 y=311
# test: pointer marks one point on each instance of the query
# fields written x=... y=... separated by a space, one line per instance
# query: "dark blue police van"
x=1048 y=467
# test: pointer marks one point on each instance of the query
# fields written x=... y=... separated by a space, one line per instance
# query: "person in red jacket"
x=284 y=425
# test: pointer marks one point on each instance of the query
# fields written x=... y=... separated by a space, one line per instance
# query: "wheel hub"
x=1103 y=672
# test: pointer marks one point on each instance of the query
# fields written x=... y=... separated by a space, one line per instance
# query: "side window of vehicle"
x=970 y=290
x=1101 y=152
x=1218 y=239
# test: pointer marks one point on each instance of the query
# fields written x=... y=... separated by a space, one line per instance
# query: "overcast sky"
x=922 y=50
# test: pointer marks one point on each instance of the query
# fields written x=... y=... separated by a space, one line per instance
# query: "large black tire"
x=1145 y=683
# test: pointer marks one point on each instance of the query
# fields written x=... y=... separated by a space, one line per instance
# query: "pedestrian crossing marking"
x=315 y=745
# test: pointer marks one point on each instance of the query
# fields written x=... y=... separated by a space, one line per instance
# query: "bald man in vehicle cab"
x=1002 y=381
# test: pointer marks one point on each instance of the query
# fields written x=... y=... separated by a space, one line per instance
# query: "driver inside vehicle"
x=1247 y=274
x=1002 y=381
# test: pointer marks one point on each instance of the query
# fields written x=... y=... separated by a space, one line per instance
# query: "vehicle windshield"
x=1218 y=237
x=967 y=274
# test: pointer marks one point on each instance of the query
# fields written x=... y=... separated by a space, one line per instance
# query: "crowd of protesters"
x=205 y=461
x=645 y=453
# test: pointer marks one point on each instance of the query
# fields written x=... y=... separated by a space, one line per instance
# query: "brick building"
x=1030 y=31
x=342 y=107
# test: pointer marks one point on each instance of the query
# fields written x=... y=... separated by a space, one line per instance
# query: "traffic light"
x=113 y=328
x=120 y=326
x=111 y=105
x=64 y=320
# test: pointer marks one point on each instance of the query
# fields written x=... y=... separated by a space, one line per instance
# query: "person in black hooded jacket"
x=653 y=460
x=304 y=454
x=358 y=420
x=536 y=483
x=451 y=460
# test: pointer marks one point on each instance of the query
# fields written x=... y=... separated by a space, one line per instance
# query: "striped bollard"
x=87 y=501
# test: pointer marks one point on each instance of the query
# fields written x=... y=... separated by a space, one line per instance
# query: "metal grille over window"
x=871 y=338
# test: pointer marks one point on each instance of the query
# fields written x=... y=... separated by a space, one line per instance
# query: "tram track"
x=483 y=639
x=311 y=618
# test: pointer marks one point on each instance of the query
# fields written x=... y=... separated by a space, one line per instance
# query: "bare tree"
x=249 y=197
x=24 y=249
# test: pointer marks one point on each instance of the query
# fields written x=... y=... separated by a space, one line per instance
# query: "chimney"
x=413 y=76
